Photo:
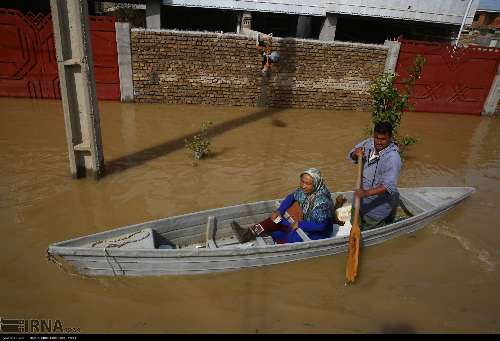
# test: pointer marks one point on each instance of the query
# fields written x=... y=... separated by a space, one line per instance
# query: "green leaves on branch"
x=414 y=73
x=389 y=103
x=199 y=145
x=407 y=141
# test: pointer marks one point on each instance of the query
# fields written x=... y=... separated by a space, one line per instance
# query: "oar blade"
x=353 y=254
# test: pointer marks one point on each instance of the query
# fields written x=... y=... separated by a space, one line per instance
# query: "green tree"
x=389 y=103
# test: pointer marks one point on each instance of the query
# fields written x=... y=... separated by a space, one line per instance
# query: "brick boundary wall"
x=225 y=69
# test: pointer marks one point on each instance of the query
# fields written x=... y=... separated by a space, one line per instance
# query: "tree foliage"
x=389 y=103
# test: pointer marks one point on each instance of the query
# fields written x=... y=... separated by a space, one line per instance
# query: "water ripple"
x=482 y=255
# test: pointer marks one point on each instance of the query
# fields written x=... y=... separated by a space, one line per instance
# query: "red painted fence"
x=28 y=65
x=454 y=80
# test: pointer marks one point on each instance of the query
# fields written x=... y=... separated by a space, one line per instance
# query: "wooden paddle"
x=351 y=270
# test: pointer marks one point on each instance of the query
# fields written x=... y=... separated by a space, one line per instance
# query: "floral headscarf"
x=317 y=205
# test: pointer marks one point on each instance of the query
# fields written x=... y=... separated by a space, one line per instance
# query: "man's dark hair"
x=383 y=128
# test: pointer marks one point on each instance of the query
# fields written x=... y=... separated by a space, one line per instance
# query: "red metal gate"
x=28 y=65
x=454 y=80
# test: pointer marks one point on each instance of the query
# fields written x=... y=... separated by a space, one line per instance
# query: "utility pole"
x=463 y=21
x=78 y=94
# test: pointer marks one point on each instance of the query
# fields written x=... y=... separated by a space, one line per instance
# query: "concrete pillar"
x=328 y=28
x=392 y=55
x=124 y=61
x=76 y=76
x=304 y=26
x=153 y=14
x=238 y=23
x=491 y=102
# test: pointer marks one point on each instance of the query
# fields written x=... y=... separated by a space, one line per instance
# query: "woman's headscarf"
x=318 y=204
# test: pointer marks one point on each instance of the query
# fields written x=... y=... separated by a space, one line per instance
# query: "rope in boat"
x=51 y=258
x=115 y=242
x=107 y=255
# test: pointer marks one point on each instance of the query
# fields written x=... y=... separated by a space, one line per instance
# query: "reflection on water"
x=448 y=271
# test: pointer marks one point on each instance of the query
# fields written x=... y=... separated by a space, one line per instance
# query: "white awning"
x=437 y=11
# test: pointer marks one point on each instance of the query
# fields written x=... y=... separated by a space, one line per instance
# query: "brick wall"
x=210 y=68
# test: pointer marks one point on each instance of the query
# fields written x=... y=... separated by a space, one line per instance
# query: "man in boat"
x=311 y=210
x=382 y=163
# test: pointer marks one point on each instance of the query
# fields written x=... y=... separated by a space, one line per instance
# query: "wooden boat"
x=203 y=242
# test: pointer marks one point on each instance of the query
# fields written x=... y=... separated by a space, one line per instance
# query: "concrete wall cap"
x=276 y=39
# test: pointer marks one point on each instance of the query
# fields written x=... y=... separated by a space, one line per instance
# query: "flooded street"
x=443 y=278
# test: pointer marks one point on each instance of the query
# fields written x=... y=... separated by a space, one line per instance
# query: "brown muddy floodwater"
x=443 y=278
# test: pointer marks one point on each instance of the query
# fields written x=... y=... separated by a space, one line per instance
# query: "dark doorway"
x=377 y=30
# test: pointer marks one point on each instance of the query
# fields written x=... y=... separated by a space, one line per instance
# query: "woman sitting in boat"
x=310 y=207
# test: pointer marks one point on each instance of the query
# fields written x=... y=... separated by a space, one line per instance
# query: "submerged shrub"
x=199 y=145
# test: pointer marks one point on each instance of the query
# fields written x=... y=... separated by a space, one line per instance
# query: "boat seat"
x=210 y=233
